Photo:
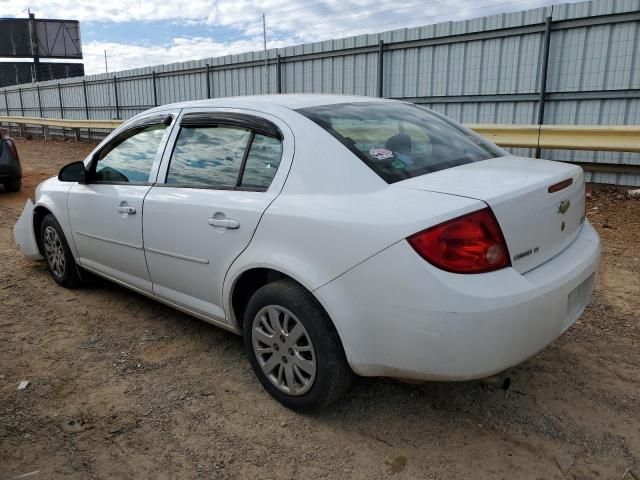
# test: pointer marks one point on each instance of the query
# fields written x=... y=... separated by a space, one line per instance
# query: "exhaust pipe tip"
x=499 y=382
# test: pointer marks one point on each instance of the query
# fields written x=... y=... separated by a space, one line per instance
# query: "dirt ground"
x=122 y=387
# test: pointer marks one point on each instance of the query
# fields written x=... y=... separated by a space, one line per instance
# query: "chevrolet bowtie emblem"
x=564 y=206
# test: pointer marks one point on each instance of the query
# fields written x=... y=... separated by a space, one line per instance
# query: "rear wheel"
x=60 y=262
x=13 y=185
x=294 y=348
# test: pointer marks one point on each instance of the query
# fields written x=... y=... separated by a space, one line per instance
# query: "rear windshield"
x=399 y=140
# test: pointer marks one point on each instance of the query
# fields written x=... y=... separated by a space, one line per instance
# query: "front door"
x=203 y=216
x=106 y=213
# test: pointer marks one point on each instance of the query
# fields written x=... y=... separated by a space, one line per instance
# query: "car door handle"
x=127 y=210
x=224 y=223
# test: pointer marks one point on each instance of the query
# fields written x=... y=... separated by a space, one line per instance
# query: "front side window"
x=130 y=156
x=399 y=141
x=209 y=157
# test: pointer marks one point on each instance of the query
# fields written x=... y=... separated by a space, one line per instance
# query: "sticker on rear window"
x=380 y=153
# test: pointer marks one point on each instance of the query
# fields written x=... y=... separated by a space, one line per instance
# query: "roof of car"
x=292 y=101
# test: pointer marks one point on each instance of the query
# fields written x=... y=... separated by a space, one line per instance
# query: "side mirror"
x=74 y=172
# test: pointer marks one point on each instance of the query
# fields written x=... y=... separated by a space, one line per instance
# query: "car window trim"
x=243 y=120
x=131 y=184
x=206 y=187
x=138 y=125
x=243 y=164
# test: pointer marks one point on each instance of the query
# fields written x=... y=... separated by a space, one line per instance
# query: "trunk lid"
x=537 y=224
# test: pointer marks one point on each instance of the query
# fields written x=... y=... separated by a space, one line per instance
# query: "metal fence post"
x=39 y=100
x=155 y=90
x=44 y=129
x=22 y=130
x=6 y=106
x=115 y=89
x=61 y=108
x=86 y=105
x=279 y=73
x=86 y=99
x=208 y=73
x=543 y=77
x=21 y=104
x=60 y=100
x=380 y=68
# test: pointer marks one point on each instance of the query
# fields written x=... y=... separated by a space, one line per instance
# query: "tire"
x=13 y=185
x=304 y=368
x=60 y=261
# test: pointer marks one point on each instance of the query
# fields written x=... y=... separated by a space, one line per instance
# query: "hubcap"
x=54 y=251
x=284 y=350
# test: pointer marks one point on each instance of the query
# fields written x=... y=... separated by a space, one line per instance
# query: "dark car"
x=10 y=168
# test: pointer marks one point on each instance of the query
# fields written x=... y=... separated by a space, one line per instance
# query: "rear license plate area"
x=578 y=300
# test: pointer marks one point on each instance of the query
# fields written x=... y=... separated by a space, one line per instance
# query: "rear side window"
x=223 y=157
x=209 y=157
x=129 y=157
x=398 y=140
x=262 y=162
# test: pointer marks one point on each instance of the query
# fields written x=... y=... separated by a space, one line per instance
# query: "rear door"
x=106 y=213
x=223 y=171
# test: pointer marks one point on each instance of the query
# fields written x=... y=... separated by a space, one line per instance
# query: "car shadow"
x=371 y=396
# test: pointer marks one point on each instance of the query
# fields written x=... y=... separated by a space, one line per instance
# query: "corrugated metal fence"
x=575 y=64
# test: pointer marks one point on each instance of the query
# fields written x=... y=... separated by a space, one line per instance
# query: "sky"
x=137 y=34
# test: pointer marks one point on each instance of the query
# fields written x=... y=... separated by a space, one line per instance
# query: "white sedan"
x=337 y=234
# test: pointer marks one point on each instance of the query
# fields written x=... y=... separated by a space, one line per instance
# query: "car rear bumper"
x=24 y=235
x=399 y=316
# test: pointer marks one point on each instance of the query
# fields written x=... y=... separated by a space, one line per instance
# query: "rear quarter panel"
x=334 y=213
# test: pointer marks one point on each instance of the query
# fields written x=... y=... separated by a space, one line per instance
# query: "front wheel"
x=60 y=261
x=294 y=348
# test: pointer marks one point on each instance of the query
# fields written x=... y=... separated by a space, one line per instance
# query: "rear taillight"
x=8 y=142
x=472 y=243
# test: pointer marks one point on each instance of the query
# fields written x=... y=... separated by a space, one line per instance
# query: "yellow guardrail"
x=63 y=123
x=612 y=138
x=508 y=135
